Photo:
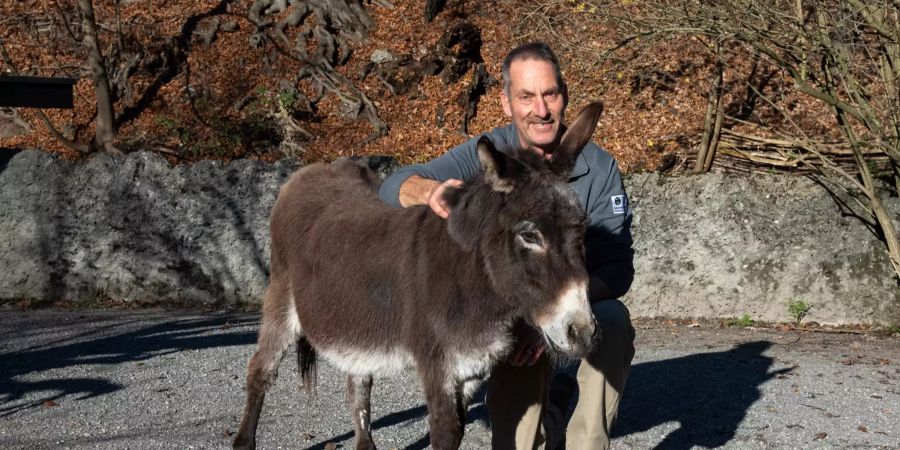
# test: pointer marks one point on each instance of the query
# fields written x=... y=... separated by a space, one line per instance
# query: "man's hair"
x=534 y=50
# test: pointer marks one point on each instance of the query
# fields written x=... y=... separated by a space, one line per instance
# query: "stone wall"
x=723 y=246
x=136 y=229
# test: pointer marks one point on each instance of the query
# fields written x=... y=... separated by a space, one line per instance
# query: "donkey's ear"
x=499 y=168
x=575 y=138
x=465 y=219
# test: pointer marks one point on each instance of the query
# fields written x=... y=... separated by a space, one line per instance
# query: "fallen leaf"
x=863 y=429
x=821 y=436
x=307 y=436
x=49 y=404
x=331 y=446
x=876 y=396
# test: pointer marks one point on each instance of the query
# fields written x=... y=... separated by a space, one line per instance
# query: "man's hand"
x=529 y=345
x=436 y=199
x=422 y=191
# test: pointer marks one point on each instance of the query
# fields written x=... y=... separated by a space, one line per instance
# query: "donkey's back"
x=342 y=258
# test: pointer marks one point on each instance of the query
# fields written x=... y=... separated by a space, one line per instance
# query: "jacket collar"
x=581 y=166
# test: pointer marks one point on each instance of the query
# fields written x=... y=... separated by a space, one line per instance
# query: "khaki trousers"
x=517 y=396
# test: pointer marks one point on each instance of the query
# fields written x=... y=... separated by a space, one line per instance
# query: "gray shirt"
x=595 y=179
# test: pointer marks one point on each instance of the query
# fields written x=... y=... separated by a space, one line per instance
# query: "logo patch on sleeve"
x=618 y=204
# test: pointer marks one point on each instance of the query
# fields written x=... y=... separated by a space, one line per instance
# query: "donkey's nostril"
x=574 y=332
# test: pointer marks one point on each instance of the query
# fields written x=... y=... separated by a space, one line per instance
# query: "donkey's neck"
x=457 y=279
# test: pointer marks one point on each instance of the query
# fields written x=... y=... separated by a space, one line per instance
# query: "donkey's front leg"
x=359 y=392
x=445 y=417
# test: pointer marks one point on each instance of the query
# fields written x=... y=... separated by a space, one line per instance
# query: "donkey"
x=375 y=289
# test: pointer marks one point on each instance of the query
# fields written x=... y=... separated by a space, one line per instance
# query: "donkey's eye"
x=531 y=240
x=531 y=237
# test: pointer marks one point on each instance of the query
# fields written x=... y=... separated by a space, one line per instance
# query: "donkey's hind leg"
x=279 y=329
x=359 y=393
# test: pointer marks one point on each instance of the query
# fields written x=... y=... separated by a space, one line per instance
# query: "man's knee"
x=613 y=320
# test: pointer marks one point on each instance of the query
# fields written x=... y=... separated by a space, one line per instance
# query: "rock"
x=381 y=56
x=11 y=124
x=721 y=246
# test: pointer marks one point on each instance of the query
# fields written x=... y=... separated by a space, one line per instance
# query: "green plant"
x=288 y=99
x=166 y=122
x=174 y=125
x=798 y=309
x=743 y=322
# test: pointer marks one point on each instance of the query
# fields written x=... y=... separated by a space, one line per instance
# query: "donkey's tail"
x=306 y=362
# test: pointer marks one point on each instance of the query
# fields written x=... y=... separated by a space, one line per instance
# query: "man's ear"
x=499 y=168
x=575 y=138
x=504 y=102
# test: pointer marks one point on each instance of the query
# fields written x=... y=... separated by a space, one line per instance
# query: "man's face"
x=536 y=104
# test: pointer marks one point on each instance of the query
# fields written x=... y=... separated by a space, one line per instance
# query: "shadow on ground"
x=708 y=394
x=114 y=348
x=477 y=412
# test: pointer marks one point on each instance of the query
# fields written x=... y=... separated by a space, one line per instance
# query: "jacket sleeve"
x=608 y=238
x=460 y=162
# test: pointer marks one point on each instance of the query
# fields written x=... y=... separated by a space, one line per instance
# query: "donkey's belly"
x=377 y=362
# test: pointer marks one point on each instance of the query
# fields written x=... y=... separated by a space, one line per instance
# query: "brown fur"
x=368 y=282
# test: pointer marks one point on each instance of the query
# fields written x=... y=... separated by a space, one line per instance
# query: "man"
x=523 y=413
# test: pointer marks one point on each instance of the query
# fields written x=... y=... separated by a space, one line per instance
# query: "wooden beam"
x=36 y=92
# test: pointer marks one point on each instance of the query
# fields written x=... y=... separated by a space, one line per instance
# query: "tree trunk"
x=712 y=122
x=717 y=130
x=105 y=133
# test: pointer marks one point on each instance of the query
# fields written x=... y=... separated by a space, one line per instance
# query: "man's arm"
x=417 y=190
x=418 y=184
x=608 y=240
x=597 y=288
x=422 y=191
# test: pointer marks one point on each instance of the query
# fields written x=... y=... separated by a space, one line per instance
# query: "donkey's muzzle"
x=572 y=327
x=580 y=335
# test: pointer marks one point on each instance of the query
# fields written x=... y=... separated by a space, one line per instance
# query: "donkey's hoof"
x=242 y=443
x=365 y=444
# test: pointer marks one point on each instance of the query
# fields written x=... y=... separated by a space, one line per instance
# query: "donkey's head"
x=528 y=227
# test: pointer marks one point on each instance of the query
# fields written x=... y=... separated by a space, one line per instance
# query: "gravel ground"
x=174 y=379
